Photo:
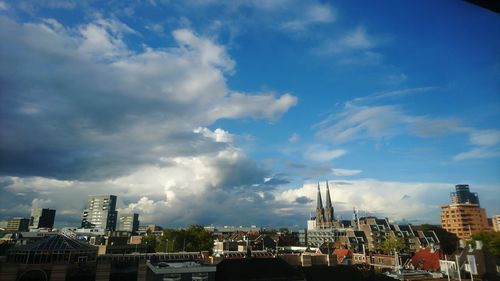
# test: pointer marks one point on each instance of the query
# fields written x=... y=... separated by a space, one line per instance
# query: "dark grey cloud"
x=303 y=200
x=67 y=113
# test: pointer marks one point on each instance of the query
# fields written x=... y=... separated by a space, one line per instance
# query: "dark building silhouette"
x=462 y=195
x=42 y=218
x=257 y=269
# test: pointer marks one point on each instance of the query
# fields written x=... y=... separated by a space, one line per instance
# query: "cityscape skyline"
x=229 y=113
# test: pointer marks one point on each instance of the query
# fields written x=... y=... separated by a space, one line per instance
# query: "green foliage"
x=392 y=244
x=447 y=240
x=193 y=239
x=491 y=241
x=284 y=230
x=151 y=241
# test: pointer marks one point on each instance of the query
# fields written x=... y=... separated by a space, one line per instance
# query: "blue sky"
x=246 y=105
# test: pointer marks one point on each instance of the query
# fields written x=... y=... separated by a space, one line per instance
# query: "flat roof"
x=180 y=267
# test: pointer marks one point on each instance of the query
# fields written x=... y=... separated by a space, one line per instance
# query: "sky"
x=231 y=112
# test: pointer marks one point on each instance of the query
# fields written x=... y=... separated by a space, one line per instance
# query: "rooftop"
x=57 y=243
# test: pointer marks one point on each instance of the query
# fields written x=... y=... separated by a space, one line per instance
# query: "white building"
x=100 y=212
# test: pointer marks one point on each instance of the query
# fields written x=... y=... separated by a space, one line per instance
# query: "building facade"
x=462 y=195
x=42 y=218
x=100 y=212
x=129 y=222
x=464 y=216
x=496 y=222
x=361 y=234
x=18 y=224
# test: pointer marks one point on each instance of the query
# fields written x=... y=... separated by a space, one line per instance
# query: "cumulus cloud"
x=218 y=135
x=160 y=194
x=71 y=112
x=384 y=198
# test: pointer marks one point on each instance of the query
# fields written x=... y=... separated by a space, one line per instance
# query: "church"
x=325 y=216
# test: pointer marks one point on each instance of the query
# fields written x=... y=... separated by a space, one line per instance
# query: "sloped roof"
x=342 y=254
x=57 y=243
x=426 y=259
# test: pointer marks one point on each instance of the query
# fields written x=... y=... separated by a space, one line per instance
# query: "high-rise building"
x=100 y=212
x=18 y=224
x=129 y=222
x=464 y=216
x=42 y=218
x=462 y=195
x=496 y=222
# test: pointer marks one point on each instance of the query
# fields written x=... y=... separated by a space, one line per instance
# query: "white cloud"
x=161 y=194
x=3 y=6
x=345 y=172
x=357 y=122
x=123 y=108
x=218 y=135
x=294 y=138
x=395 y=78
x=485 y=137
x=477 y=153
x=355 y=48
x=485 y=145
x=356 y=40
x=208 y=52
x=392 y=94
x=321 y=153
x=102 y=39
x=384 y=198
x=238 y=105
x=310 y=15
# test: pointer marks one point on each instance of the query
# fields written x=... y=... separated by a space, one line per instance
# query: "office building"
x=42 y=218
x=129 y=222
x=100 y=212
x=464 y=216
x=18 y=224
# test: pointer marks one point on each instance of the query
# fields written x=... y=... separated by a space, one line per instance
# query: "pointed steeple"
x=320 y=211
x=319 y=202
x=329 y=218
x=328 y=200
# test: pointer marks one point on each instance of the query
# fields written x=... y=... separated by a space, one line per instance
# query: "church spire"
x=320 y=211
x=329 y=218
x=319 y=202
x=328 y=200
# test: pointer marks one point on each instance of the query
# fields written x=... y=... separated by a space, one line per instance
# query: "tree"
x=448 y=241
x=150 y=241
x=193 y=239
x=392 y=244
x=491 y=241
